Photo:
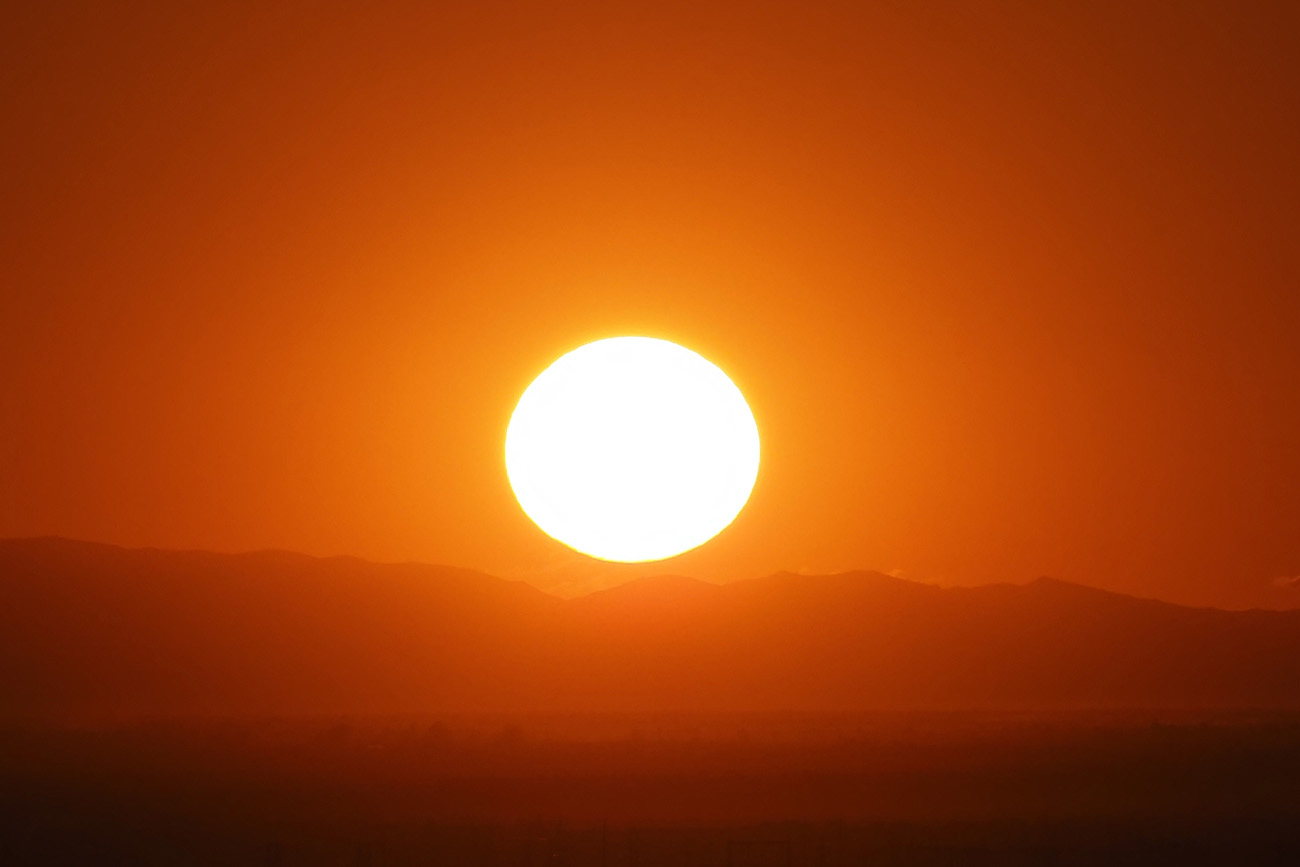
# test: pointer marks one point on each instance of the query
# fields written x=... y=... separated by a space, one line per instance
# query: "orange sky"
x=1012 y=288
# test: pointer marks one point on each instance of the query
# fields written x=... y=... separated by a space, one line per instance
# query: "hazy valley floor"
x=734 y=790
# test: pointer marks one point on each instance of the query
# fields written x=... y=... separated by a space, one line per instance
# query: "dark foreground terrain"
x=743 y=791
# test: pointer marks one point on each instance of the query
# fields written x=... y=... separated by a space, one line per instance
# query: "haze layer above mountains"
x=94 y=629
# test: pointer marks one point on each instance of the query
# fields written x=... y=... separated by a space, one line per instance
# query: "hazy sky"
x=1012 y=288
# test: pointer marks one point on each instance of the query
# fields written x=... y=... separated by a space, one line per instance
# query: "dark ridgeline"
x=184 y=707
x=93 y=629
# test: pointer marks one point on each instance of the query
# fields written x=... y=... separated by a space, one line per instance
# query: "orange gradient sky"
x=1012 y=288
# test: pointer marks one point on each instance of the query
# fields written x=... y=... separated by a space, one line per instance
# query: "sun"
x=632 y=449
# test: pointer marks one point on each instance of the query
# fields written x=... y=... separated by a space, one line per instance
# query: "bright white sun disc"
x=632 y=449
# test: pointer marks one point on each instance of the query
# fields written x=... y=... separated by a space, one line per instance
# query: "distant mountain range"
x=87 y=628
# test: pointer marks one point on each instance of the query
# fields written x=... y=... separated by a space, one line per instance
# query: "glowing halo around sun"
x=632 y=449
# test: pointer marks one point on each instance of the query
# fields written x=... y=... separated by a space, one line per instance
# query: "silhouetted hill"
x=98 y=629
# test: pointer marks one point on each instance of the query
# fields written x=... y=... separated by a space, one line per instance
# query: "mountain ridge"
x=96 y=628
x=262 y=554
x=1040 y=582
